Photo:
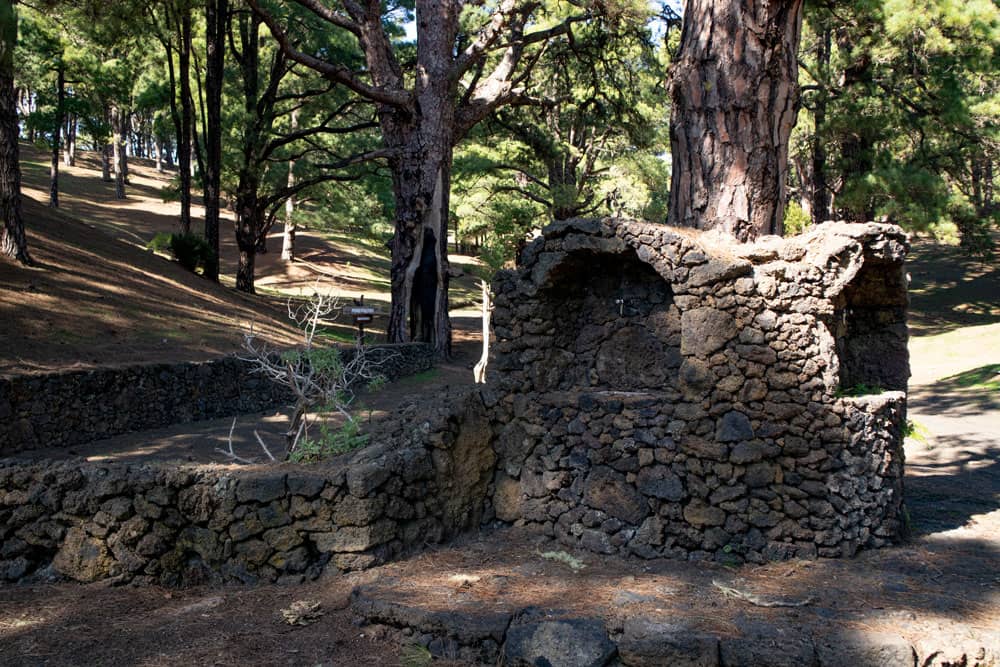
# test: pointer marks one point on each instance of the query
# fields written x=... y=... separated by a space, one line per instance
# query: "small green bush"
x=796 y=219
x=330 y=442
x=190 y=250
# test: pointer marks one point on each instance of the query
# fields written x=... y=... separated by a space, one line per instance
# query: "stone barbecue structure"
x=664 y=392
x=655 y=392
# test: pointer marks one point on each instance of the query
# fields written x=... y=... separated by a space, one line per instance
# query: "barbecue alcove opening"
x=616 y=325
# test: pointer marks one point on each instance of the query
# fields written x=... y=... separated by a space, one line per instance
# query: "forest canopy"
x=471 y=129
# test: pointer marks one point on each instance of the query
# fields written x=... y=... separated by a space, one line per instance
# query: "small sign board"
x=361 y=314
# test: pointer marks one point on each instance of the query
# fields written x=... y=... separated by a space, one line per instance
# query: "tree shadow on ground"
x=947 y=495
x=967 y=394
x=950 y=289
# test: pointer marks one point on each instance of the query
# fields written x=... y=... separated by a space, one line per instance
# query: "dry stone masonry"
x=71 y=408
x=655 y=392
x=423 y=481
x=662 y=392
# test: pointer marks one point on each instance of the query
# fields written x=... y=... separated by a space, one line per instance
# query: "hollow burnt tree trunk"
x=421 y=175
x=13 y=243
x=735 y=97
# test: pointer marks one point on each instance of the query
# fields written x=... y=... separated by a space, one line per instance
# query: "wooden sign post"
x=362 y=314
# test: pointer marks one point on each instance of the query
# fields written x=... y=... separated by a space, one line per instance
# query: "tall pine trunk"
x=13 y=243
x=215 y=16
x=288 y=236
x=420 y=269
x=187 y=118
x=421 y=176
x=248 y=223
x=69 y=149
x=820 y=192
x=118 y=152
x=57 y=133
x=124 y=144
x=106 y=162
x=735 y=97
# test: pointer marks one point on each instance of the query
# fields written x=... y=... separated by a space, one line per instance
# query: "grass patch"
x=419 y=378
x=415 y=655
x=985 y=378
x=342 y=336
x=860 y=389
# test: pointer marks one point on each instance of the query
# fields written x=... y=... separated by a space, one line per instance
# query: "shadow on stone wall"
x=663 y=392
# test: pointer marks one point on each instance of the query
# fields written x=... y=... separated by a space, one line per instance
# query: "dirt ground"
x=942 y=586
x=97 y=297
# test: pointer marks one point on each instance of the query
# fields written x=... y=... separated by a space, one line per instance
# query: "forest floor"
x=939 y=589
x=97 y=297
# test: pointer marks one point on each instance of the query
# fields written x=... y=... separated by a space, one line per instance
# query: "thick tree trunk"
x=215 y=16
x=735 y=96
x=13 y=243
x=420 y=268
x=245 y=269
x=57 y=134
x=118 y=152
x=249 y=221
x=421 y=177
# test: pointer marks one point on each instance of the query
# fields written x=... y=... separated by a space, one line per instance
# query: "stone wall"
x=423 y=481
x=65 y=409
x=662 y=392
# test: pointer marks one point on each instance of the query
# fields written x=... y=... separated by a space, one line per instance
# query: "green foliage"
x=796 y=219
x=902 y=98
x=329 y=442
x=917 y=431
x=190 y=250
x=860 y=389
x=588 y=144
x=414 y=655
x=985 y=377
x=321 y=360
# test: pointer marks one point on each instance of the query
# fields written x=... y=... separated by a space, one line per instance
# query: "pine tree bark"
x=187 y=117
x=124 y=144
x=215 y=17
x=13 y=242
x=69 y=150
x=118 y=152
x=288 y=236
x=57 y=133
x=735 y=97
x=820 y=191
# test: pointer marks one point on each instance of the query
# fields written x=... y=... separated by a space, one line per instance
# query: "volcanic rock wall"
x=423 y=481
x=666 y=392
x=70 y=408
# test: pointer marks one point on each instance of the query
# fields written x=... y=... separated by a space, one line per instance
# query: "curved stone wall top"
x=669 y=392
x=820 y=263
